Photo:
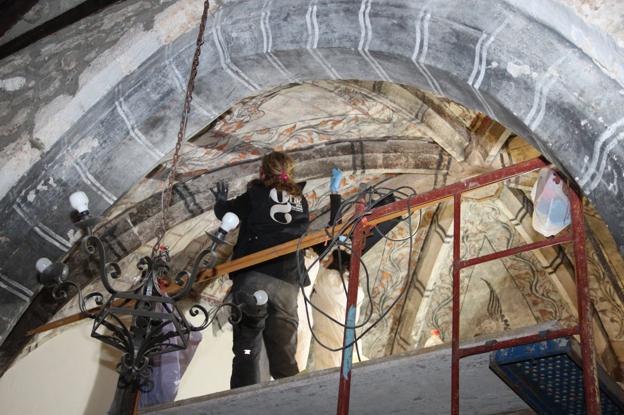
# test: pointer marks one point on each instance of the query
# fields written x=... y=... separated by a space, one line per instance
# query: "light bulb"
x=229 y=222
x=79 y=201
x=42 y=264
x=51 y=273
x=261 y=297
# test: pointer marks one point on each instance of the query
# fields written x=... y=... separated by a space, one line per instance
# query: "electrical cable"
x=335 y=241
x=346 y=293
x=406 y=289
x=414 y=193
x=319 y=258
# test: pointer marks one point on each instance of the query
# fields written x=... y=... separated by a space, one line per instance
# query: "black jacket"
x=269 y=217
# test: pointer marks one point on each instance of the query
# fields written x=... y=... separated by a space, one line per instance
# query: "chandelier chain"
x=167 y=192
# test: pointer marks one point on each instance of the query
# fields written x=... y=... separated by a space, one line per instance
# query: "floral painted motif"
x=496 y=296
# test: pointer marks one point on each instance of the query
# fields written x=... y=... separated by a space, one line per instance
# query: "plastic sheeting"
x=304 y=336
x=329 y=296
x=168 y=369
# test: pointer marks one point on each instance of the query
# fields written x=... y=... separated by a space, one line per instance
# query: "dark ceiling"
x=12 y=11
x=63 y=15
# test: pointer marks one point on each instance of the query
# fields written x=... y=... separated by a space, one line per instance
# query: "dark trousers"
x=277 y=326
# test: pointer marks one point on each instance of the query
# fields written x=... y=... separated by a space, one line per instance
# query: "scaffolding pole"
x=455 y=191
x=359 y=234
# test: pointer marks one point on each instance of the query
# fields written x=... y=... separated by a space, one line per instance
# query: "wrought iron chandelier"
x=157 y=325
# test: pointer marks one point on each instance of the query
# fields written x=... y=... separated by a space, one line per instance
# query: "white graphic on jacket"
x=284 y=205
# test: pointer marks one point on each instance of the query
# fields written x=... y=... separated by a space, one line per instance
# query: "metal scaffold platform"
x=548 y=377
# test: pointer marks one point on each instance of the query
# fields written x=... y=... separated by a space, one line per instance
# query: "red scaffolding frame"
x=576 y=236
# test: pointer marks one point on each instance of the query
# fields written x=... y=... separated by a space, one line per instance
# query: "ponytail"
x=277 y=169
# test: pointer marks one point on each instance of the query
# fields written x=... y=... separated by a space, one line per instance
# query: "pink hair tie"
x=283 y=176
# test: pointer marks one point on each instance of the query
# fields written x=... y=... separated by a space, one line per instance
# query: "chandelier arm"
x=234 y=318
x=209 y=316
x=96 y=295
x=61 y=292
x=93 y=246
x=193 y=276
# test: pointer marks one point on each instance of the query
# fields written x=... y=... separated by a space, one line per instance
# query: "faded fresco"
x=387 y=263
x=496 y=296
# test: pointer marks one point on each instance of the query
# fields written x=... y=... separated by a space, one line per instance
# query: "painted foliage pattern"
x=604 y=296
x=253 y=127
x=495 y=296
x=259 y=124
x=387 y=264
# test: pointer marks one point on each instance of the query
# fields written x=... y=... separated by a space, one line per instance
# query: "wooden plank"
x=245 y=262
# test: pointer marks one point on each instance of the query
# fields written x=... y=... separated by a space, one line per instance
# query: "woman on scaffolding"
x=272 y=211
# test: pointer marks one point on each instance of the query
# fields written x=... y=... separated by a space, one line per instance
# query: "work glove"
x=220 y=191
x=336 y=178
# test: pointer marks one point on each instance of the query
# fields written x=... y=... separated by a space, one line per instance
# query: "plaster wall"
x=71 y=374
x=608 y=15
x=75 y=374
x=97 y=52
x=47 y=87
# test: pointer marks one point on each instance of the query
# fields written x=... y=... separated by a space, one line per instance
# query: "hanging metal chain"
x=167 y=192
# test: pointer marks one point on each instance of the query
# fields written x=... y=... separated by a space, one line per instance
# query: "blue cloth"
x=336 y=178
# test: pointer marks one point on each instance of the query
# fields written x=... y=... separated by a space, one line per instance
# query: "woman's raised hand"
x=220 y=191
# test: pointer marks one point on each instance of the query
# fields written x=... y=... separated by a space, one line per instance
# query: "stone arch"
x=495 y=56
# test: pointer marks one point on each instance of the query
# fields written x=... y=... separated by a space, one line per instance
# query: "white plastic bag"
x=551 y=207
x=329 y=296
